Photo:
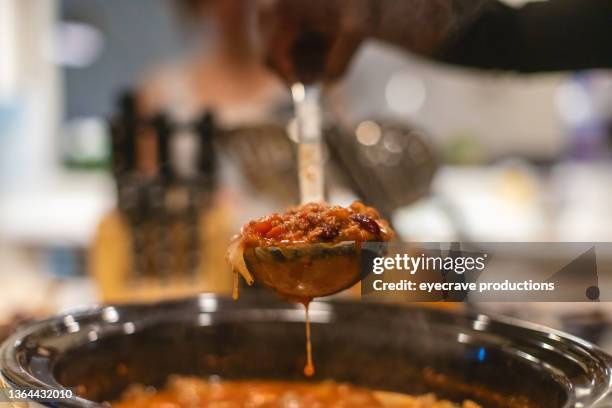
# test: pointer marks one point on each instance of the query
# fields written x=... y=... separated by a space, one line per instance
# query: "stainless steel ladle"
x=304 y=271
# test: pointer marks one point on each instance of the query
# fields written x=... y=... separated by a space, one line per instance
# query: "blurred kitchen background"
x=518 y=158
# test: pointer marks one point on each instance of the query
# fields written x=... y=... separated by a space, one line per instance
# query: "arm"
x=545 y=36
x=548 y=36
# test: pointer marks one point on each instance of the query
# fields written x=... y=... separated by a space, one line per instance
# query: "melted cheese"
x=235 y=256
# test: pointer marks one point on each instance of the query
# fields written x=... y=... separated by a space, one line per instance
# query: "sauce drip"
x=236 y=283
x=309 y=369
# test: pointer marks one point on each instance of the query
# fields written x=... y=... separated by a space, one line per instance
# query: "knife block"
x=168 y=233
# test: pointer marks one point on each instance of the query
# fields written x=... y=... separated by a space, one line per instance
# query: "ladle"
x=305 y=271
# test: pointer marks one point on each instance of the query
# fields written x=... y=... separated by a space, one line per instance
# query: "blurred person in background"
x=226 y=75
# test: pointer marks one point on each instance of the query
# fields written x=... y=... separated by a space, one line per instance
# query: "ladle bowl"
x=306 y=271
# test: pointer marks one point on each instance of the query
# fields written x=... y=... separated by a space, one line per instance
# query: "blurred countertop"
x=64 y=209
x=507 y=201
x=514 y=201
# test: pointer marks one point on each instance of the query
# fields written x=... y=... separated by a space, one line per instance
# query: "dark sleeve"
x=544 y=36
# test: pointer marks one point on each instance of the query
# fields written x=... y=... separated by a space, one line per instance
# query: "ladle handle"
x=307 y=105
